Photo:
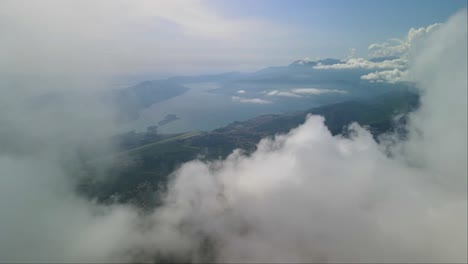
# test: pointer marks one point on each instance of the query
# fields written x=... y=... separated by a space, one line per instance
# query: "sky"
x=203 y=36
x=385 y=19
x=200 y=36
x=339 y=25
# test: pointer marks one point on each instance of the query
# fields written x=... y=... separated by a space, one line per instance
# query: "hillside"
x=141 y=169
x=132 y=100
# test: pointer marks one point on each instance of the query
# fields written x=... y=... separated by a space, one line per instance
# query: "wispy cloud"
x=250 y=100
x=390 y=76
x=282 y=93
x=360 y=63
x=302 y=92
x=316 y=91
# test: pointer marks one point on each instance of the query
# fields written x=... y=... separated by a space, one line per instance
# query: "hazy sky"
x=202 y=36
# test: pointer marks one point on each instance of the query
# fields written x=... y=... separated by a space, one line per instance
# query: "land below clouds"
x=146 y=159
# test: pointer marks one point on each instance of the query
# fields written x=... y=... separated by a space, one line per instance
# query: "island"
x=167 y=119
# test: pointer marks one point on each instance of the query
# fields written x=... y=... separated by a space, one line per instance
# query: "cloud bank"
x=389 y=76
x=400 y=47
x=360 y=63
x=390 y=57
x=310 y=197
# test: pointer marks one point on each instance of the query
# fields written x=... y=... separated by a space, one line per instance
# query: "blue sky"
x=342 y=24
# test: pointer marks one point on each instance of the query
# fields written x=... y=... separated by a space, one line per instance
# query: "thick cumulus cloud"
x=390 y=76
x=309 y=196
x=439 y=127
x=305 y=196
x=400 y=47
x=392 y=55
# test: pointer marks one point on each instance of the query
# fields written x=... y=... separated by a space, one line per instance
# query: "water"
x=202 y=110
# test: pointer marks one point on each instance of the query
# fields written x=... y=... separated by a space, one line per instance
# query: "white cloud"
x=241 y=92
x=390 y=76
x=316 y=91
x=283 y=94
x=360 y=63
x=394 y=70
x=250 y=100
x=399 y=47
x=311 y=197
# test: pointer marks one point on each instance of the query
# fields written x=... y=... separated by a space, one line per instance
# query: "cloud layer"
x=400 y=47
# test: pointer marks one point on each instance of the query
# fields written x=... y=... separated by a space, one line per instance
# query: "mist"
x=305 y=196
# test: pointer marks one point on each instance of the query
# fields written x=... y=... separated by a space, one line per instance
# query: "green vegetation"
x=131 y=100
x=141 y=169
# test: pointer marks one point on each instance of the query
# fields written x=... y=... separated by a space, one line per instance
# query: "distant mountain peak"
x=310 y=63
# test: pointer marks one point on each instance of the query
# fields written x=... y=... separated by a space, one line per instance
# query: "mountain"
x=132 y=100
x=222 y=77
x=298 y=74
